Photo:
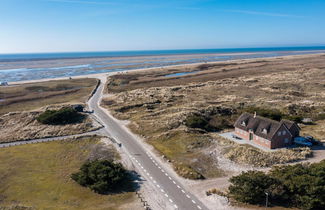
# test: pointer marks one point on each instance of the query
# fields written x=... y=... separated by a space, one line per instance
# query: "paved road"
x=152 y=171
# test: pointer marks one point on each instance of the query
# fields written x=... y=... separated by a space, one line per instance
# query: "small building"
x=265 y=132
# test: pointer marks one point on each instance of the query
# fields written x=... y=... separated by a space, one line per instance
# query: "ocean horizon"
x=132 y=53
x=35 y=66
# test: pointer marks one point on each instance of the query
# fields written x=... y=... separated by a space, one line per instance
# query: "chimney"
x=254 y=114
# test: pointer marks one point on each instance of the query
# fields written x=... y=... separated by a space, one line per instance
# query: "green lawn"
x=38 y=176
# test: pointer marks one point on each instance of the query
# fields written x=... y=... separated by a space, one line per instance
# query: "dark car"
x=236 y=137
x=312 y=140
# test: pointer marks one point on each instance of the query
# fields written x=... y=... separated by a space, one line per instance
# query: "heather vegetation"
x=300 y=185
x=63 y=116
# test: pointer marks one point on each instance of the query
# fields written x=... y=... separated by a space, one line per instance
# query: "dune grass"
x=26 y=97
x=38 y=176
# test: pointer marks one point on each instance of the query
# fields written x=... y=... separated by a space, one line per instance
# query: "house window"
x=243 y=123
x=286 y=140
x=284 y=132
x=279 y=133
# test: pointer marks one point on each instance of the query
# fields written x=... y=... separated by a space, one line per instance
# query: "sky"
x=28 y=26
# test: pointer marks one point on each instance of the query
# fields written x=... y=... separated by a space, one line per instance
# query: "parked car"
x=4 y=84
x=302 y=141
x=312 y=140
x=236 y=137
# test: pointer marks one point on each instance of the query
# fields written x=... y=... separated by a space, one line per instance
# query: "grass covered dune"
x=37 y=176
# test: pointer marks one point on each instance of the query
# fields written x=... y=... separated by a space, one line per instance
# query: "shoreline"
x=107 y=74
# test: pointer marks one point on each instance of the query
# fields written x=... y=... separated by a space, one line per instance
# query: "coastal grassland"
x=25 y=97
x=159 y=107
x=38 y=176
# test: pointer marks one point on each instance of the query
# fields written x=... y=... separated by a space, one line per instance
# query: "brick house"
x=266 y=132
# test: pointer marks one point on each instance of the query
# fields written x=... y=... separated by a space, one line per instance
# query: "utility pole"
x=267 y=199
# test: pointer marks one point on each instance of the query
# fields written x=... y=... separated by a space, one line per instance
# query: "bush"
x=62 y=116
x=101 y=176
x=196 y=121
x=250 y=187
x=301 y=186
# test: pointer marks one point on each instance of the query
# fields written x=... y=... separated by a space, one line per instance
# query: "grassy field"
x=38 y=176
x=27 y=97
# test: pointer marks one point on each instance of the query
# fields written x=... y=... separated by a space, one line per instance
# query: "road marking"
x=199 y=207
x=154 y=181
x=188 y=196
x=178 y=187
x=166 y=174
x=159 y=167
x=142 y=167
x=170 y=200
x=169 y=178
x=176 y=207
x=174 y=182
x=151 y=177
x=145 y=170
x=163 y=170
x=148 y=174
x=158 y=185
x=193 y=201
x=183 y=191
x=166 y=195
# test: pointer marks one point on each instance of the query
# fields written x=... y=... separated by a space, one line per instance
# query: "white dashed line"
x=176 y=207
x=193 y=201
x=174 y=182
x=166 y=174
x=148 y=174
x=169 y=178
x=170 y=200
x=199 y=207
x=154 y=181
x=183 y=191
x=158 y=185
x=178 y=187
x=188 y=196
x=145 y=170
x=162 y=190
x=166 y=195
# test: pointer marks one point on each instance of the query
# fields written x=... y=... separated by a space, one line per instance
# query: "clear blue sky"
x=107 y=25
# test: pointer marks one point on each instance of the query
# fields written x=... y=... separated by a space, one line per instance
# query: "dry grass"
x=38 y=176
x=24 y=126
x=27 y=97
x=158 y=106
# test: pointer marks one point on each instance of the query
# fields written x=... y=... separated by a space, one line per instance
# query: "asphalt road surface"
x=174 y=192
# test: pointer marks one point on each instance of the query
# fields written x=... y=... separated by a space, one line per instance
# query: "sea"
x=35 y=66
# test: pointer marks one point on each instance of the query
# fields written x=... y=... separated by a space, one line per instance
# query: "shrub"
x=101 y=176
x=62 y=116
x=196 y=121
x=299 y=185
x=250 y=187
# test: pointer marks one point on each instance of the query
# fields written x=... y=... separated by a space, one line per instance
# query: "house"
x=265 y=132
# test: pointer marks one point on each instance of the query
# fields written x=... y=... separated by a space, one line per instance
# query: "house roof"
x=260 y=124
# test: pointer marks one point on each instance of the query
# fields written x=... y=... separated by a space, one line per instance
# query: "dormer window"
x=243 y=123
x=264 y=131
